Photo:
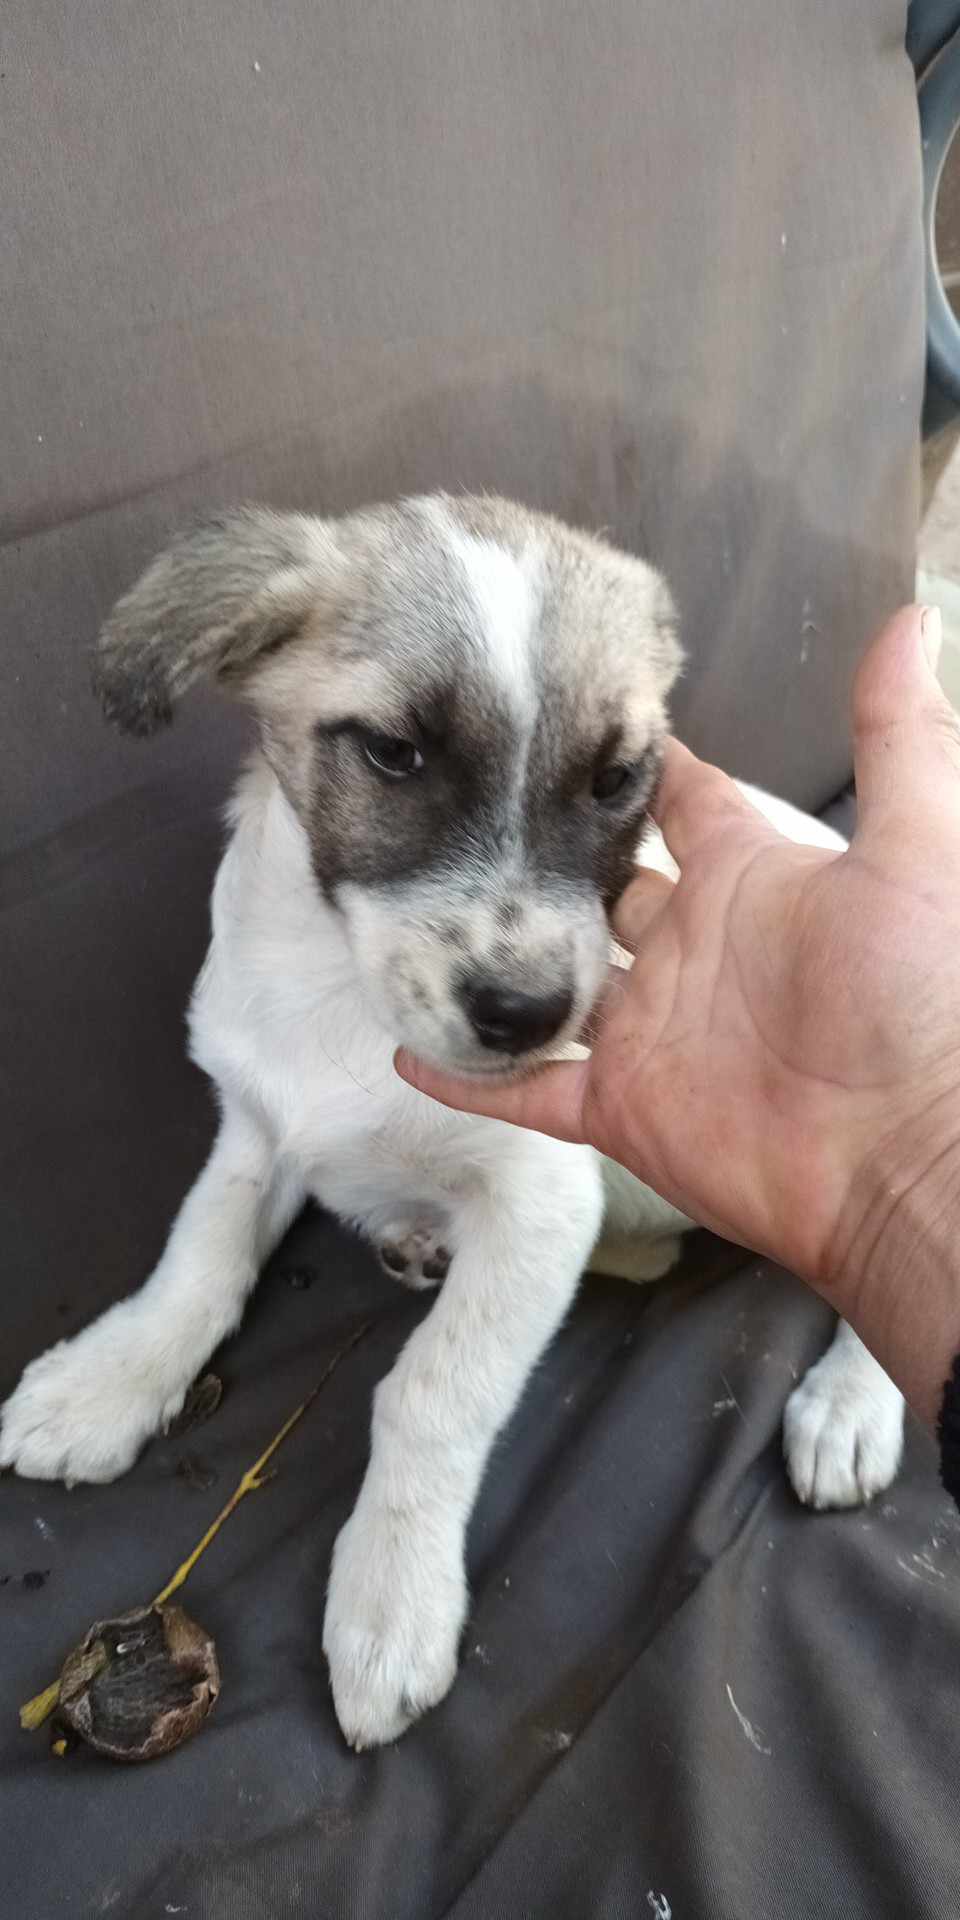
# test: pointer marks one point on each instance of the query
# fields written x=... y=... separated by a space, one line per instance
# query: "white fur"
x=507 y=592
x=286 y=1019
x=843 y=1427
x=311 y=1105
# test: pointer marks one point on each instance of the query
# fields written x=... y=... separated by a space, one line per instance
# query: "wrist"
x=893 y=1267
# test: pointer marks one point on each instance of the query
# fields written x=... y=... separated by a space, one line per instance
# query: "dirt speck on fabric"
x=201 y=1403
x=556 y=1739
x=195 y=1472
x=299 y=1278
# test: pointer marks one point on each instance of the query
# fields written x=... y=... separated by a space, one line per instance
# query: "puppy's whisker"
x=340 y=1065
x=603 y=1012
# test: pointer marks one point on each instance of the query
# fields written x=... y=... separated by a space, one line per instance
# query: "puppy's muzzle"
x=508 y=1020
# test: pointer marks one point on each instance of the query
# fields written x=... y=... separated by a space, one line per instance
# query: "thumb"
x=548 y=1101
x=906 y=735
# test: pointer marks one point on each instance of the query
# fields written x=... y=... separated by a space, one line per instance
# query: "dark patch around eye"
x=650 y=770
x=611 y=746
x=613 y=782
x=619 y=857
x=368 y=832
x=462 y=810
x=612 y=756
x=392 y=755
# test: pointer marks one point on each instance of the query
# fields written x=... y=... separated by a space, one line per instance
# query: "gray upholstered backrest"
x=657 y=268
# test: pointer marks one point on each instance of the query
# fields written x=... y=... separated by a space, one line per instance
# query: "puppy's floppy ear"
x=218 y=600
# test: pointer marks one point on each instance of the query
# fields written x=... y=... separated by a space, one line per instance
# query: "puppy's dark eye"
x=611 y=783
x=396 y=758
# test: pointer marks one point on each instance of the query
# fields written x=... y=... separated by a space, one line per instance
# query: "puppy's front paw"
x=395 y=1609
x=842 y=1435
x=84 y=1409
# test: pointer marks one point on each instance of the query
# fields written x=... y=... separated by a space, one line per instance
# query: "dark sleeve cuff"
x=948 y=1433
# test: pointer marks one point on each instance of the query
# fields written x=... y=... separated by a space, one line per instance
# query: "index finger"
x=693 y=800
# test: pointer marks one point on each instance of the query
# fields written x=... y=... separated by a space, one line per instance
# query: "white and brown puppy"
x=461 y=709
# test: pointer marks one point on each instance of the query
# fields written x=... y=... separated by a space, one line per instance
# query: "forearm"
x=894 y=1269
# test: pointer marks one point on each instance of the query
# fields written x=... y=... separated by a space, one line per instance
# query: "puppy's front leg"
x=843 y=1427
x=84 y=1409
x=398 y=1592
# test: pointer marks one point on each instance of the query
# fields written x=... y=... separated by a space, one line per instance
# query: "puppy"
x=462 y=710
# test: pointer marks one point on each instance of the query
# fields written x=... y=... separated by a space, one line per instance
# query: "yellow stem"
x=34 y=1712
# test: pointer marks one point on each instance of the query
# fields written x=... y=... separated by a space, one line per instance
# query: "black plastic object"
x=930 y=24
x=939 y=104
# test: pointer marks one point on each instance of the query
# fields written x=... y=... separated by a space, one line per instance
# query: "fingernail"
x=931 y=627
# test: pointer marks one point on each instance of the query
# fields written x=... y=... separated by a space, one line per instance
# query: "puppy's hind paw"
x=632 y=1257
x=414 y=1255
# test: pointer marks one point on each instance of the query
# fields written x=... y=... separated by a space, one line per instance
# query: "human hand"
x=783 y=1060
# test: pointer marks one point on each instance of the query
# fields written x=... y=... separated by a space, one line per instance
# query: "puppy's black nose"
x=510 y=1021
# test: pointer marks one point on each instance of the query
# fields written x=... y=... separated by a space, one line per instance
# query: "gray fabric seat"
x=659 y=270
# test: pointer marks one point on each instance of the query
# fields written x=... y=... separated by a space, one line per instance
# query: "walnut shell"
x=139 y=1685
